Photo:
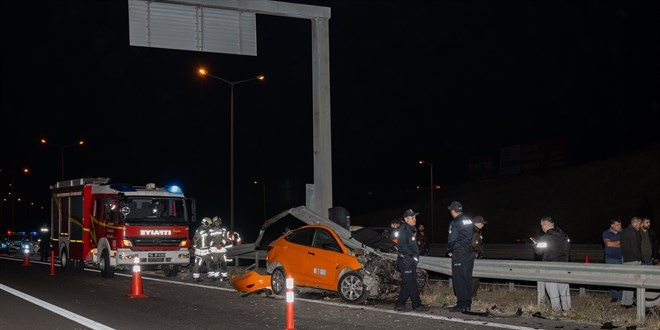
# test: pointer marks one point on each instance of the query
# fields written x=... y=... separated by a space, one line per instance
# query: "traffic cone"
x=586 y=259
x=26 y=258
x=136 y=282
x=52 y=263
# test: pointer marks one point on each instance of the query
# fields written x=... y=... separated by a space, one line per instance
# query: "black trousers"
x=462 y=264
x=409 y=288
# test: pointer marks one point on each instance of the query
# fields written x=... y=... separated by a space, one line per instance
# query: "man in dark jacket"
x=649 y=243
x=631 y=251
x=477 y=244
x=462 y=256
x=406 y=262
x=554 y=245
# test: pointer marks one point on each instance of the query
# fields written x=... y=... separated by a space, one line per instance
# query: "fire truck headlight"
x=184 y=243
x=126 y=243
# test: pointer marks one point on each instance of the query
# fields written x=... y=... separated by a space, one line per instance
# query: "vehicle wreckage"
x=378 y=275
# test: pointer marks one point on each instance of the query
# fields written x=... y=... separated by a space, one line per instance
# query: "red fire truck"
x=102 y=224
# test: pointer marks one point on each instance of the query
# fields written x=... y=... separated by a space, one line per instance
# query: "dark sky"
x=434 y=80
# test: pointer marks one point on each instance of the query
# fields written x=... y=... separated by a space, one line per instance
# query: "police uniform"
x=406 y=261
x=462 y=257
x=477 y=244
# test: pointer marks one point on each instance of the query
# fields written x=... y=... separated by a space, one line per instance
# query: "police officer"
x=219 y=241
x=202 y=244
x=462 y=256
x=477 y=244
x=406 y=261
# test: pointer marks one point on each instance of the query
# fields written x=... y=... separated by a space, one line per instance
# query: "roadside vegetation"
x=592 y=307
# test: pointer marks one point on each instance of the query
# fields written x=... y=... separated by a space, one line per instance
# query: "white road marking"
x=57 y=310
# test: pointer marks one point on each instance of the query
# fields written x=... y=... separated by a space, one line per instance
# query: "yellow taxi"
x=316 y=258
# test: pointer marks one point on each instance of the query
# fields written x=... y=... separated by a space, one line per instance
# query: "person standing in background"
x=44 y=247
x=462 y=257
x=631 y=253
x=554 y=245
x=649 y=243
x=392 y=232
x=477 y=244
x=612 y=249
x=423 y=241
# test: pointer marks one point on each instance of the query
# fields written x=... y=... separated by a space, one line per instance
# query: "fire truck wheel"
x=107 y=270
x=65 y=262
x=170 y=270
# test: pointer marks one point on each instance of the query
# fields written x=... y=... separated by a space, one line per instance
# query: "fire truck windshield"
x=153 y=210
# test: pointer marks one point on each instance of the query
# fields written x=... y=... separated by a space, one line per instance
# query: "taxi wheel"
x=278 y=281
x=351 y=288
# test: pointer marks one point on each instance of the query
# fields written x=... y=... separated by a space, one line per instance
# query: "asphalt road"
x=32 y=298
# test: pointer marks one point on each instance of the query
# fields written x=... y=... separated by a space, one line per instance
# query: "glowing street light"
x=62 y=147
x=203 y=72
x=431 y=187
x=263 y=185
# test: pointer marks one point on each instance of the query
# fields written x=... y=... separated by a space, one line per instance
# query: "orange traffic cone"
x=26 y=258
x=52 y=263
x=136 y=282
x=586 y=259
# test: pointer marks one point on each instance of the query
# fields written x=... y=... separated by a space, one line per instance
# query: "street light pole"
x=81 y=142
x=204 y=72
x=422 y=162
x=263 y=184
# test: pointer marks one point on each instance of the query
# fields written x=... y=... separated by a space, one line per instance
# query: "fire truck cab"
x=98 y=223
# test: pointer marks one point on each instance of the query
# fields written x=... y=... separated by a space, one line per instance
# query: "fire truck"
x=106 y=225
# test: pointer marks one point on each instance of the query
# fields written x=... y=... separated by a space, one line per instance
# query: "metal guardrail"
x=639 y=277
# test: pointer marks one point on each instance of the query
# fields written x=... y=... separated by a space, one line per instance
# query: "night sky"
x=435 y=80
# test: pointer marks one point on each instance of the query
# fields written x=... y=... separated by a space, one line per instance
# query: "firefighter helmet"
x=206 y=221
x=217 y=218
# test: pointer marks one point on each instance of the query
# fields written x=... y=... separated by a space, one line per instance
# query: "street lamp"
x=263 y=185
x=62 y=147
x=422 y=162
x=203 y=72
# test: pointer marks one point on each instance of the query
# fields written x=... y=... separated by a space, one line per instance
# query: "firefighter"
x=201 y=244
x=219 y=242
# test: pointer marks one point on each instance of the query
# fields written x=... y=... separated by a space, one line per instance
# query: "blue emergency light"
x=174 y=189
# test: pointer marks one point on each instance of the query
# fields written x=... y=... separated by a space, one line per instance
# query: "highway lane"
x=178 y=303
